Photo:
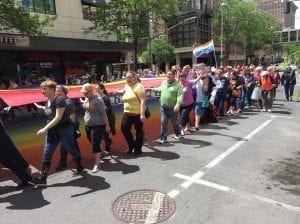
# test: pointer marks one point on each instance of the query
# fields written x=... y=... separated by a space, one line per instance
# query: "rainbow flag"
x=204 y=49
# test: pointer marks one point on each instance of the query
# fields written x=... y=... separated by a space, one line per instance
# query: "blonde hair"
x=48 y=83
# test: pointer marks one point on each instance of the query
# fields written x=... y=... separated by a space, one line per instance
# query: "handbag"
x=147 y=111
x=256 y=94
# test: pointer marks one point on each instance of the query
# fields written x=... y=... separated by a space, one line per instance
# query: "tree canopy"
x=245 y=26
x=293 y=54
x=161 y=49
x=131 y=19
x=14 y=17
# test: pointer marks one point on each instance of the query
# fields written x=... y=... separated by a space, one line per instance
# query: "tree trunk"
x=135 y=49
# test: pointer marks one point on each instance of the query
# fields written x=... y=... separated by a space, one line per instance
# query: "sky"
x=297 y=16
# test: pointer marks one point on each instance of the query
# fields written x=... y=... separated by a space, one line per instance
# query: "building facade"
x=66 y=50
x=194 y=28
x=285 y=14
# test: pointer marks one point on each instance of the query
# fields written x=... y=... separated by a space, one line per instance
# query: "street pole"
x=222 y=28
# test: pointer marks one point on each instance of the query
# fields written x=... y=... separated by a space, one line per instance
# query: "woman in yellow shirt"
x=134 y=99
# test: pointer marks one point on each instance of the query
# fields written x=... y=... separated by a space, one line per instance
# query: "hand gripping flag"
x=204 y=49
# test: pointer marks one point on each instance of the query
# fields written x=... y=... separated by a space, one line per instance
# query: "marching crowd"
x=188 y=97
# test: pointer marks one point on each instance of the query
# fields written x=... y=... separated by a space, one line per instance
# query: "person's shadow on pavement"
x=115 y=164
x=92 y=183
x=27 y=199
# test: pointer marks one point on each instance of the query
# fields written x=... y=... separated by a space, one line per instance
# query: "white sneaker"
x=263 y=110
x=269 y=110
x=176 y=137
x=182 y=132
x=96 y=167
x=162 y=141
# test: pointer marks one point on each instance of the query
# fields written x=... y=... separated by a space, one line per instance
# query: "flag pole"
x=215 y=53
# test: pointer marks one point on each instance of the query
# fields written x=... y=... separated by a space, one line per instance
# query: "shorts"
x=198 y=108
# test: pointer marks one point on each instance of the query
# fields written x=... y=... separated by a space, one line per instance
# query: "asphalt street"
x=243 y=170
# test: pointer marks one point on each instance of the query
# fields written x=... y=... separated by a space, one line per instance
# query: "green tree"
x=162 y=50
x=14 y=17
x=131 y=19
x=293 y=54
x=245 y=26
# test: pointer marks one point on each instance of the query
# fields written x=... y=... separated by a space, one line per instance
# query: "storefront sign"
x=11 y=40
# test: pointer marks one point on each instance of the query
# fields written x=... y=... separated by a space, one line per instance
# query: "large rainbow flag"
x=204 y=49
x=19 y=97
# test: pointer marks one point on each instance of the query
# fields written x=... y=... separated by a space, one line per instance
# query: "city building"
x=189 y=30
x=282 y=11
x=66 y=50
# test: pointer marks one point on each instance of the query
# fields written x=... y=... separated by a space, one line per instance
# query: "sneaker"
x=39 y=181
x=263 y=110
x=182 y=132
x=23 y=184
x=177 y=137
x=103 y=154
x=162 y=141
x=80 y=168
x=96 y=167
x=270 y=110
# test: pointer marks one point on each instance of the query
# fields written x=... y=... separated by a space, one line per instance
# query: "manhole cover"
x=143 y=206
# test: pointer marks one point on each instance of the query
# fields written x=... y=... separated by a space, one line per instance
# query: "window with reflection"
x=40 y=6
x=89 y=11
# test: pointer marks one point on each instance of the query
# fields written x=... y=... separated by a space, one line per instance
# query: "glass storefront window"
x=50 y=6
x=40 y=6
x=88 y=11
x=28 y=5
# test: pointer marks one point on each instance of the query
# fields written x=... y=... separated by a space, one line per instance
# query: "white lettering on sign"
x=8 y=40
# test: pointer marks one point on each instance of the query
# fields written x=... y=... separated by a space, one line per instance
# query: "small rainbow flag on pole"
x=204 y=49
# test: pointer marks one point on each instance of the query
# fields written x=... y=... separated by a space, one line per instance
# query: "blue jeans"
x=63 y=135
x=220 y=103
x=165 y=115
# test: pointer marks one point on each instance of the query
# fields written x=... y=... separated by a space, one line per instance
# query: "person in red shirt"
x=266 y=85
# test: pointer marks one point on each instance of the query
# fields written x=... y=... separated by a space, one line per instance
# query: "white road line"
x=173 y=193
x=192 y=179
x=203 y=182
x=243 y=194
x=157 y=202
x=281 y=116
x=236 y=146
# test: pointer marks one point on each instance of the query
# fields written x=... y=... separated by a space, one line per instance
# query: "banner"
x=19 y=97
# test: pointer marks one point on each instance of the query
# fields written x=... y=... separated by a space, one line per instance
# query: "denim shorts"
x=198 y=108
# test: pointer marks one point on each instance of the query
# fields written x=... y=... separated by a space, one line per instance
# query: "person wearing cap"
x=59 y=129
x=102 y=92
x=266 y=85
x=96 y=121
x=62 y=90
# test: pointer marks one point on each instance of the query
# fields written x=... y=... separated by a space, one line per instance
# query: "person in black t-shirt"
x=58 y=129
x=62 y=90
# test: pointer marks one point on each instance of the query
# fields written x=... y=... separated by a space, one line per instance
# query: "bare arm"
x=53 y=122
x=142 y=97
